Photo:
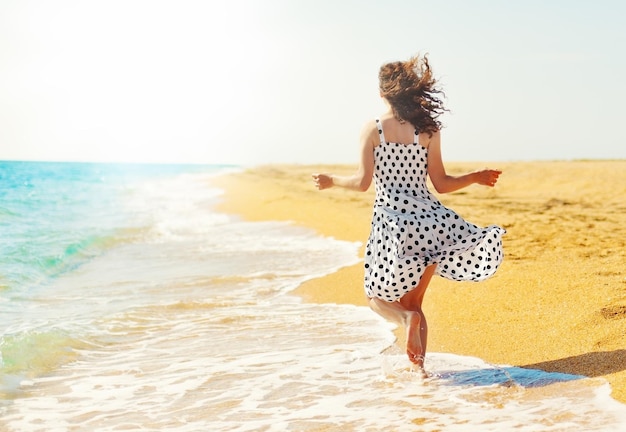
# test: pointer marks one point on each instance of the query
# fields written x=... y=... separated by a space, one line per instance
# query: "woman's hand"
x=487 y=177
x=323 y=181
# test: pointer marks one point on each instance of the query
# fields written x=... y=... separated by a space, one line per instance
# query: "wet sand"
x=557 y=303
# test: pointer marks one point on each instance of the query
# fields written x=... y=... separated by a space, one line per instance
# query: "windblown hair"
x=412 y=93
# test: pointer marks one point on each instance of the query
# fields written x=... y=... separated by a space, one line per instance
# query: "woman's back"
x=400 y=170
x=397 y=132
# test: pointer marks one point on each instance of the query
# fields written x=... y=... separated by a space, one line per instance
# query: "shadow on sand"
x=541 y=374
x=505 y=376
x=591 y=364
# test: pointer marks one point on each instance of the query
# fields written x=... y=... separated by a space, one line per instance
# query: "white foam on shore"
x=291 y=366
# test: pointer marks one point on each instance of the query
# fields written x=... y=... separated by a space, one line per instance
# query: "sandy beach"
x=557 y=303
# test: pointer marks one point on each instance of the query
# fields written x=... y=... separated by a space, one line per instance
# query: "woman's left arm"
x=362 y=179
x=445 y=183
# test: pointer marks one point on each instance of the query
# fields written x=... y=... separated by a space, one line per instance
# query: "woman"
x=413 y=236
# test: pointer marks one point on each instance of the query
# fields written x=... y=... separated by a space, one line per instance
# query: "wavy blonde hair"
x=412 y=92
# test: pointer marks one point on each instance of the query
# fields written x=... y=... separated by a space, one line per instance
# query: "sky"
x=252 y=82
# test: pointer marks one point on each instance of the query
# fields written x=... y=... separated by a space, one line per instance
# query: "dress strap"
x=416 y=137
x=381 y=135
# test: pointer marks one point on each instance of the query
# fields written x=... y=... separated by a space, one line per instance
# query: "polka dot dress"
x=411 y=229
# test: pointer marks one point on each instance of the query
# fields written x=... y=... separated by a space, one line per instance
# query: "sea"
x=128 y=303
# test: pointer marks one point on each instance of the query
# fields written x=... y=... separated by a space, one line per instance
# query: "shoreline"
x=557 y=303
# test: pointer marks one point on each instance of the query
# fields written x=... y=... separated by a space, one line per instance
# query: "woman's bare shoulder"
x=426 y=139
x=369 y=132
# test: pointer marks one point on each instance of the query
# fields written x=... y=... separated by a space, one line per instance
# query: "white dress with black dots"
x=411 y=229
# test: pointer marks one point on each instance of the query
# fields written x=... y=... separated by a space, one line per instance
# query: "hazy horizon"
x=248 y=83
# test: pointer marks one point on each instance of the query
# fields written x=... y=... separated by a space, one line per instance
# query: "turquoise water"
x=55 y=216
x=128 y=303
x=54 y=219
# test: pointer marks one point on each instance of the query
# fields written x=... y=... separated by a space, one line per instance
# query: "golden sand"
x=557 y=303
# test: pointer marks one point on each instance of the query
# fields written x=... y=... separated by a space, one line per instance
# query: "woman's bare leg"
x=412 y=301
x=407 y=312
x=410 y=320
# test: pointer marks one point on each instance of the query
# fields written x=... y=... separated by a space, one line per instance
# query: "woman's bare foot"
x=413 y=342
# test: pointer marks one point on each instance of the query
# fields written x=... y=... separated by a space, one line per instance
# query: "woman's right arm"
x=362 y=179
